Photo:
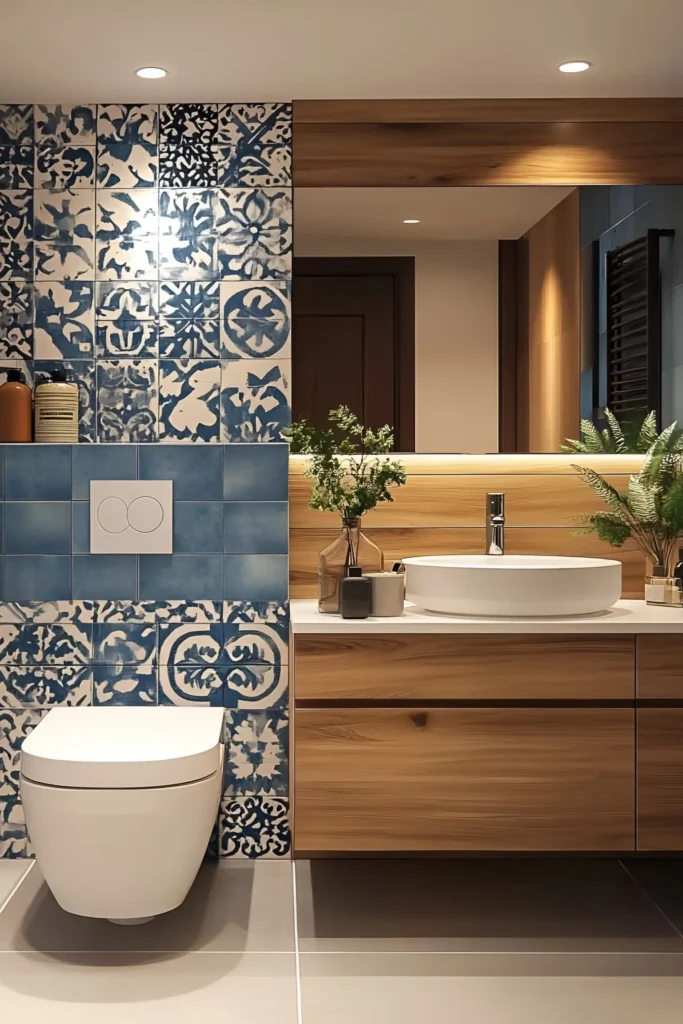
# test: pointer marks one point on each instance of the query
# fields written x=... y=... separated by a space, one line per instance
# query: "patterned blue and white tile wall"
x=147 y=249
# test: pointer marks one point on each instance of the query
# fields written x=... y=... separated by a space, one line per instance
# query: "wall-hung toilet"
x=120 y=803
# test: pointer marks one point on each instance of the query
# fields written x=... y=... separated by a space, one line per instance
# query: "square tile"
x=120 y=684
x=132 y=213
x=16 y=167
x=188 y=611
x=128 y=122
x=126 y=643
x=254 y=826
x=105 y=576
x=100 y=464
x=30 y=643
x=125 y=164
x=128 y=400
x=66 y=124
x=257 y=753
x=64 y=166
x=36 y=686
x=189 y=400
x=65 y=217
x=126 y=301
x=255 y=578
x=80 y=527
x=82 y=372
x=16 y=124
x=188 y=122
x=256 y=472
x=188 y=259
x=37 y=578
x=16 y=260
x=190 y=643
x=256 y=527
x=256 y=686
x=189 y=338
x=255 y=400
x=197 y=526
x=126 y=611
x=189 y=300
x=256 y=320
x=16 y=319
x=198 y=685
x=126 y=259
x=254 y=230
x=48 y=611
x=257 y=641
x=128 y=338
x=255 y=142
x=15 y=726
x=272 y=613
x=71 y=262
x=180 y=577
x=38 y=472
x=64 y=320
x=16 y=215
x=195 y=471
x=37 y=527
x=189 y=165
x=185 y=213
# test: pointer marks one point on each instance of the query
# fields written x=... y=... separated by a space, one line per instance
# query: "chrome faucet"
x=495 y=524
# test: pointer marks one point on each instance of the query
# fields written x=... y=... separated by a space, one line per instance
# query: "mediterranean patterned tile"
x=66 y=125
x=254 y=144
x=188 y=122
x=257 y=752
x=14 y=728
x=255 y=686
x=255 y=320
x=125 y=259
x=128 y=122
x=82 y=371
x=127 y=214
x=16 y=124
x=33 y=644
x=185 y=213
x=125 y=611
x=16 y=167
x=188 y=611
x=16 y=319
x=16 y=214
x=127 y=338
x=127 y=400
x=64 y=262
x=190 y=259
x=187 y=166
x=193 y=643
x=48 y=611
x=274 y=613
x=189 y=391
x=254 y=229
x=127 y=146
x=254 y=643
x=189 y=338
x=59 y=166
x=254 y=400
x=254 y=826
x=119 y=684
x=29 y=686
x=199 y=685
x=64 y=319
x=127 y=301
x=129 y=643
x=16 y=260
x=189 y=300
x=65 y=217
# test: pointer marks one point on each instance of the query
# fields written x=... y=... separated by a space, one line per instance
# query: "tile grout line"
x=15 y=888
x=297 y=957
x=650 y=898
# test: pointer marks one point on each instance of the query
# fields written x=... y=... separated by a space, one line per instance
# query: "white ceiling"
x=377 y=214
x=88 y=50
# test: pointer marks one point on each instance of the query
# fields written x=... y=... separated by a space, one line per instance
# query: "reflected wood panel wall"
x=441 y=511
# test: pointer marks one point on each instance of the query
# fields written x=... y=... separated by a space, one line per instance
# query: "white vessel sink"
x=512 y=585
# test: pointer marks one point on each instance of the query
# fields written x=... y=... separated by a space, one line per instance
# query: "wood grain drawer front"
x=660 y=779
x=438 y=666
x=464 y=779
x=660 y=666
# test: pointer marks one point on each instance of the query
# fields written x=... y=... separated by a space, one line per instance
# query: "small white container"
x=56 y=411
x=388 y=593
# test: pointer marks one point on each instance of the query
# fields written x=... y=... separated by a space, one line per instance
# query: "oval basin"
x=512 y=585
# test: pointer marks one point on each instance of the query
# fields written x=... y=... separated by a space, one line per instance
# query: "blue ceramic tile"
x=119 y=685
x=250 y=827
x=190 y=643
x=126 y=300
x=256 y=472
x=39 y=686
x=256 y=686
x=16 y=167
x=274 y=614
x=95 y=463
x=126 y=259
x=48 y=611
x=38 y=472
x=127 y=400
x=80 y=527
x=16 y=319
x=257 y=753
x=188 y=258
x=189 y=400
x=14 y=728
x=64 y=166
x=255 y=400
x=254 y=231
x=66 y=217
x=66 y=124
x=127 y=144
x=196 y=471
x=256 y=320
x=72 y=262
x=129 y=338
x=82 y=372
x=189 y=338
x=255 y=527
x=197 y=526
x=126 y=611
x=16 y=124
x=16 y=259
x=190 y=165
x=16 y=216
x=37 y=527
x=188 y=123
x=31 y=643
x=37 y=578
x=174 y=577
x=130 y=213
x=128 y=643
x=187 y=611
x=189 y=300
x=185 y=214
x=198 y=685
x=256 y=643
x=255 y=577
x=253 y=143
x=105 y=576
x=64 y=320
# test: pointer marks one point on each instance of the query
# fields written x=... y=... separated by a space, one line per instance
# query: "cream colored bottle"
x=56 y=410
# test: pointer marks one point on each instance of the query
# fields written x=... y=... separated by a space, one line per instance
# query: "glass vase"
x=351 y=547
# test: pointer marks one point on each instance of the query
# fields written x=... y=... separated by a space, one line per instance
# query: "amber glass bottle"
x=15 y=409
x=351 y=547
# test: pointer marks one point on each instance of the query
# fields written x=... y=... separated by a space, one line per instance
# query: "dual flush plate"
x=131 y=517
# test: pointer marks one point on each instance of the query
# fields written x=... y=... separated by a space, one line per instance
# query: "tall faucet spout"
x=495 y=524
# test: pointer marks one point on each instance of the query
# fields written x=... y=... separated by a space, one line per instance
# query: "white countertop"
x=624 y=617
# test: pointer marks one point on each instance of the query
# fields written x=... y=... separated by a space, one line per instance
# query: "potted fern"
x=352 y=473
x=650 y=510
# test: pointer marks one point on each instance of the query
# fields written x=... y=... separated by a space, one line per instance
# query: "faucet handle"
x=495 y=503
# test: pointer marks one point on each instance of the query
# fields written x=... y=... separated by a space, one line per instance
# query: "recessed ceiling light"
x=411 y=221
x=151 y=73
x=572 y=67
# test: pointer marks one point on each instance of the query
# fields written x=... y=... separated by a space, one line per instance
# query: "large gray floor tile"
x=11 y=871
x=476 y=905
x=447 y=988
x=231 y=907
x=106 y=988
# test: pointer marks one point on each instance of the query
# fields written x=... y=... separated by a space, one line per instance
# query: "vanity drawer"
x=526 y=779
x=660 y=666
x=444 y=666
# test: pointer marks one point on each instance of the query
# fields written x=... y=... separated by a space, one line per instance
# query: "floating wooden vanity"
x=428 y=733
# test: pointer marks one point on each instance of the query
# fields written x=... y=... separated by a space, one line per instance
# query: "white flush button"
x=131 y=517
x=145 y=514
x=111 y=515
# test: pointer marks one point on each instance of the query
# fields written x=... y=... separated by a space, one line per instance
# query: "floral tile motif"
x=254 y=643
x=257 y=753
x=16 y=167
x=16 y=213
x=256 y=320
x=192 y=643
x=254 y=144
x=255 y=400
x=185 y=213
x=274 y=613
x=66 y=125
x=82 y=371
x=129 y=643
x=119 y=684
x=125 y=259
x=255 y=686
x=126 y=301
x=189 y=338
x=64 y=319
x=16 y=260
x=189 y=391
x=14 y=728
x=128 y=122
x=64 y=166
x=127 y=145
x=36 y=686
x=33 y=644
x=47 y=611
x=191 y=685
x=254 y=229
x=125 y=611
x=16 y=124
x=126 y=214
x=64 y=229
x=188 y=122
x=189 y=300
x=190 y=259
x=187 y=166
x=188 y=611
x=64 y=262
x=250 y=827
x=128 y=400
x=127 y=338
x=16 y=319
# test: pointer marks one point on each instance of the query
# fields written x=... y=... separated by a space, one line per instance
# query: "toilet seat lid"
x=123 y=747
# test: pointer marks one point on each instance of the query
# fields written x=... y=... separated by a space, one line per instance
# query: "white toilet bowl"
x=120 y=803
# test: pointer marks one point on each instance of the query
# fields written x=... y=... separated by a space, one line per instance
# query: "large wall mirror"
x=491 y=318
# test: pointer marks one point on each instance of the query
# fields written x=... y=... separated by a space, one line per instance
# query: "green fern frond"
x=641 y=501
x=620 y=445
x=609 y=494
x=648 y=432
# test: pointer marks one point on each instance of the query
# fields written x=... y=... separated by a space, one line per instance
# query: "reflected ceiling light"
x=572 y=67
x=411 y=221
x=151 y=73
